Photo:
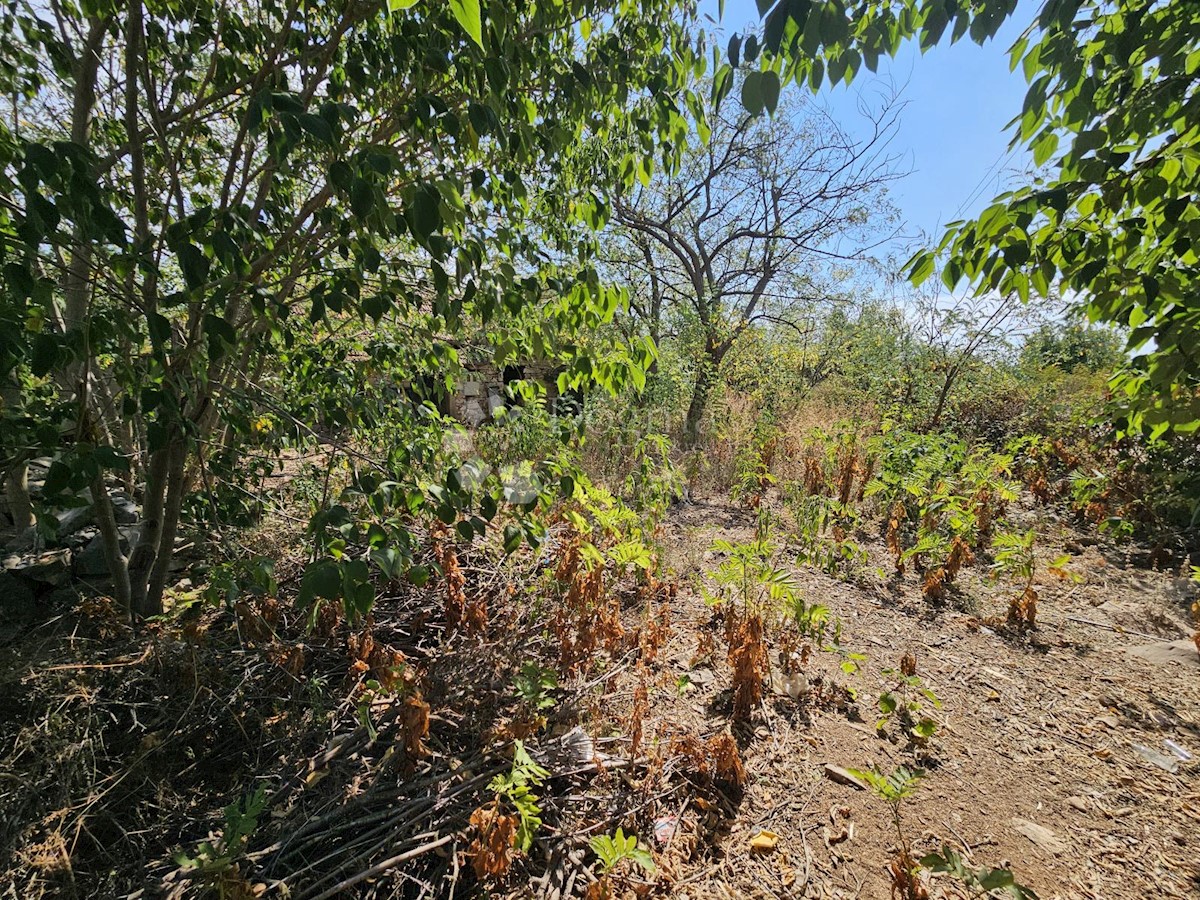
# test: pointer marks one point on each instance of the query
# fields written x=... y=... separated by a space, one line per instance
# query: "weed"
x=495 y=837
x=980 y=882
x=894 y=789
x=904 y=703
x=516 y=788
x=447 y=560
x=822 y=525
x=948 y=497
x=1015 y=558
x=752 y=465
x=214 y=861
x=637 y=714
x=613 y=850
x=749 y=585
x=906 y=872
x=653 y=482
x=1196 y=609
x=534 y=684
x=230 y=582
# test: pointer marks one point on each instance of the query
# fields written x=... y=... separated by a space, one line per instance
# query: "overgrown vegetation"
x=357 y=361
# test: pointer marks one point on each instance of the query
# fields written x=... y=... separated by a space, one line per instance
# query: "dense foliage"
x=190 y=190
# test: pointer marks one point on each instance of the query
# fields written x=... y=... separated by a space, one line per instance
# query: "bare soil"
x=1042 y=729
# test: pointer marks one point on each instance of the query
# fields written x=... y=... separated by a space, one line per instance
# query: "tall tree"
x=743 y=231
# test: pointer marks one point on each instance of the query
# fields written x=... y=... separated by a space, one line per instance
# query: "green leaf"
x=752 y=97
x=1044 y=147
x=750 y=50
x=770 y=90
x=424 y=213
x=322 y=579
x=45 y=354
x=317 y=127
x=512 y=538
x=362 y=198
x=221 y=335
x=920 y=267
x=469 y=17
x=193 y=264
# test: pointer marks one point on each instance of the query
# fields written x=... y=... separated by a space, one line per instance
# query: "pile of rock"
x=64 y=547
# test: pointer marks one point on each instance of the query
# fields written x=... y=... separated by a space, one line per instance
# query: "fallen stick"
x=380 y=868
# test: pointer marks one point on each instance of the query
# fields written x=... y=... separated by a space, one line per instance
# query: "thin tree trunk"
x=16 y=485
x=943 y=396
x=77 y=278
x=110 y=535
x=141 y=560
x=176 y=489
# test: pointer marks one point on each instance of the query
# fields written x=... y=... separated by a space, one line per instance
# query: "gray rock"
x=124 y=509
x=1182 y=653
x=52 y=568
x=21 y=542
x=1041 y=835
x=73 y=520
x=844 y=776
x=90 y=562
x=38 y=469
x=81 y=538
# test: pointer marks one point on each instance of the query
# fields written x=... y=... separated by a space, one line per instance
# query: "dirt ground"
x=1053 y=750
x=1069 y=755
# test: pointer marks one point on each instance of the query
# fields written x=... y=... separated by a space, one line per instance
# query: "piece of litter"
x=796 y=685
x=1177 y=750
x=764 y=841
x=1166 y=763
x=664 y=828
x=578 y=746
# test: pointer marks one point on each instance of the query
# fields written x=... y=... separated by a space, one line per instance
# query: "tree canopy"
x=743 y=232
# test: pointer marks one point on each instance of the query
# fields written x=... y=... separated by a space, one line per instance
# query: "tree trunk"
x=110 y=536
x=176 y=489
x=16 y=485
x=141 y=559
x=706 y=379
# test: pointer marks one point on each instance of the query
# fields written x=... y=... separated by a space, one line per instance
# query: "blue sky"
x=951 y=133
